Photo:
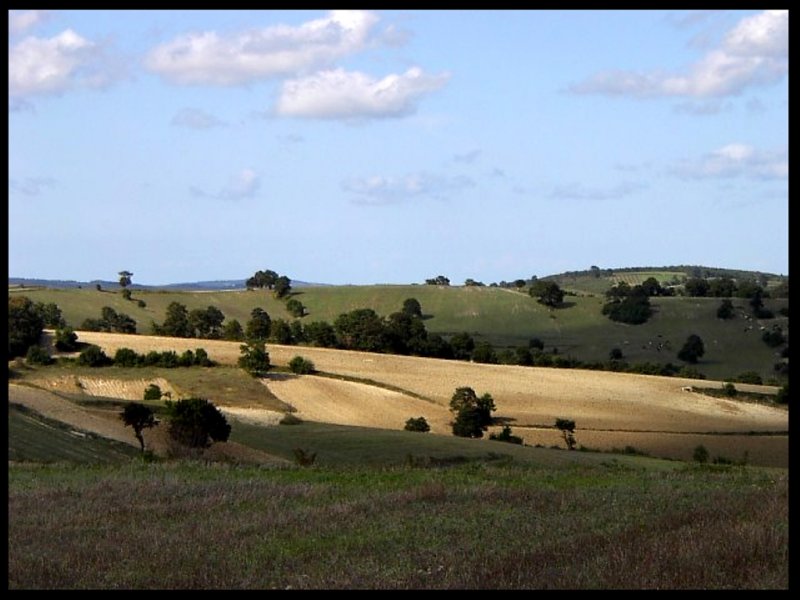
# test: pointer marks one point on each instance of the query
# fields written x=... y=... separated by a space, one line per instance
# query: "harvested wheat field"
x=614 y=406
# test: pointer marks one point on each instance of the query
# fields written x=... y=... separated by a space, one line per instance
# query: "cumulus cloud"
x=31 y=186
x=338 y=93
x=194 y=118
x=20 y=21
x=754 y=52
x=578 y=191
x=209 y=58
x=389 y=190
x=40 y=66
x=736 y=160
x=245 y=184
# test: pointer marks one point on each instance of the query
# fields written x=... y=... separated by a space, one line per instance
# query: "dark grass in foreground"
x=478 y=525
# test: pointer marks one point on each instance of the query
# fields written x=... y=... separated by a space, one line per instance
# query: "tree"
x=262 y=279
x=547 y=293
x=473 y=415
x=301 y=366
x=25 y=325
x=320 y=333
x=176 y=323
x=51 y=315
x=418 y=424
x=438 y=280
x=696 y=287
x=615 y=354
x=125 y=278
x=506 y=436
x=722 y=287
x=233 y=331
x=484 y=353
x=725 y=309
x=295 y=308
x=66 y=340
x=196 y=422
x=152 y=392
x=773 y=337
x=206 y=324
x=93 y=356
x=254 y=358
x=281 y=333
x=139 y=417
x=282 y=287
x=259 y=325
x=692 y=350
x=567 y=428
x=361 y=329
x=412 y=307
x=462 y=345
x=37 y=355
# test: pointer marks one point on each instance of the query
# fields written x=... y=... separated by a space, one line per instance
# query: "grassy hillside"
x=504 y=317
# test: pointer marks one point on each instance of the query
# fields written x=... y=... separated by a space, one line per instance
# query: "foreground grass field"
x=480 y=525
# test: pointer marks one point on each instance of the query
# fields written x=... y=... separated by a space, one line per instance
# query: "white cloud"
x=194 y=118
x=31 y=186
x=54 y=65
x=352 y=94
x=244 y=184
x=20 y=21
x=388 y=190
x=754 y=52
x=208 y=58
x=736 y=160
x=578 y=191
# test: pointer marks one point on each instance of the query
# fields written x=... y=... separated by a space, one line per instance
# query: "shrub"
x=301 y=366
x=303 y=458
x=254 y=358
x=125 y=357
x=93 y=356
x=505 y=436
x=66 y=340
x=195 y=422
x=126 y=294
x=418 y=424
x=729 y=389
x=37 y=355
x=700 y=454
x=782 y=397
x=749 y=377
x=152 y=392
x=290 y=419
x=141 y=303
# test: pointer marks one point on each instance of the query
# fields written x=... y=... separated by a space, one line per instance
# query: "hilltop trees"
x=438 y=280
x=125 y=278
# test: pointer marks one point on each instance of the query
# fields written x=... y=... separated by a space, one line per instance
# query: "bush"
x=37 y=355
x=749 y=377
x=303 y=458
x=125 y=357
x=66 y=340
x=505 y=436
x=126 y=294
x=254 y=358
x=729 y=389
x=418 y=424
x=152 y=392
x=301 y=366
x=782 y=397
x=195 y=422
x=141 y=303
x=290 y=419
x=93 y=356
x=700 y=454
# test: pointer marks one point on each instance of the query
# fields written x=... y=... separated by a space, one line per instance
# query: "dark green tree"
x=295 y=308
x=301 y=366
x=66 y=340
x=412 y=307
x=262 y=279
x=25 y=325
x=462 y=345
x=567 y=428
x=254 y=358
x=259 y=325
x=233 y=331
x=37 y=355
x=281 y=333
x=125 y=278
x=547 y=293
x=51 y=315
x=152 y=392
x=722 y=287
x=321 y=333
x=692 y=350
x=473 y=415
x=282 y=287
x=93 y=356
x=484 y=353
x=725 y=309
x=506 y=436
x=139 y=417
x=361 y=329
x=176 y=323
x=418 y=424
x=696 y=287
x=196 y=422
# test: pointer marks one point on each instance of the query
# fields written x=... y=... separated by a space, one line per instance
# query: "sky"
x=366 y=147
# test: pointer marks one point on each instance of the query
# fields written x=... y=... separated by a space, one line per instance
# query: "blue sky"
x=354 y=147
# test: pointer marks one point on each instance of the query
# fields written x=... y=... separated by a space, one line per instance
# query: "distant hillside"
x=222 y=284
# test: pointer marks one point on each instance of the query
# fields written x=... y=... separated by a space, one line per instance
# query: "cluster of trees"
x=438 y=280
x=110 y=321
x=193 y=422
x=546 y=292
x=631 y=304
x=93 y=356
x=472 y=414
x=197 y=323
x=280 y=285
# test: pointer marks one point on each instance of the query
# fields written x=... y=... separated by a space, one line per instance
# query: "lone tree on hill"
x=473 y=415
x=139 y=417
x=125 y=278
x=692 y=350
x=196 y=422
x=547 y=293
